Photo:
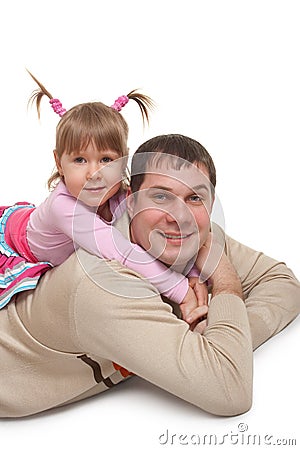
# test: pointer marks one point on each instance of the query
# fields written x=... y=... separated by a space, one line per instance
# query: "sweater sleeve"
x=81 y=224
x=272 y=292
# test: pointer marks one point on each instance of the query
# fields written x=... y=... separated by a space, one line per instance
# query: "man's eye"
x=160 y=197
x=196 y=199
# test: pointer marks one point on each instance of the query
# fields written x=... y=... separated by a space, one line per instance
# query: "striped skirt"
x=17 y=273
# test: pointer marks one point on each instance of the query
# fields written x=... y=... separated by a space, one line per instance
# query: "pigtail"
x=144 y=102
x=38 y=94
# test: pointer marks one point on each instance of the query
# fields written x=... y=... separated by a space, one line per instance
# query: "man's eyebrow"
x=194 y=188
x=199 y=187
x=164 y=188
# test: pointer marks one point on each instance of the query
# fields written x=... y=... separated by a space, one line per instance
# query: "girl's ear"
x=125 y=161
x=57 y=162
x=130 y=202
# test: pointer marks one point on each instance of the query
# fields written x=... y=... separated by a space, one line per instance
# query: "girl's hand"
x=198 y=315
x=194 y=306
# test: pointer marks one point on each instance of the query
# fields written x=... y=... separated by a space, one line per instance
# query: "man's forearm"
x=271 y=291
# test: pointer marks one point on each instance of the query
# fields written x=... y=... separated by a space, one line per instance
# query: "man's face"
x=170 y=214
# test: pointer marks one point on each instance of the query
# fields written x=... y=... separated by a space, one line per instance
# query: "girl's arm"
x=87 y=230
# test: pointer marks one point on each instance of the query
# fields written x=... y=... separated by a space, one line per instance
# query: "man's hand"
x=225 y=279
x=222 y=275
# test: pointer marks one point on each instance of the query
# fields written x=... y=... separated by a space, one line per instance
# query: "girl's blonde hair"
x=91 y=122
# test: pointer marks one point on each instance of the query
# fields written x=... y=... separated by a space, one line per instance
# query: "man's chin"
x=174 y=256
x=176 y=262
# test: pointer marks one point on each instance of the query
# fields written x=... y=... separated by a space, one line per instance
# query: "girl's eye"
x=106 y=160
x=79 y=160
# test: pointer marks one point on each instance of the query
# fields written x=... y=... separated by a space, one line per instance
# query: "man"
x=90 y=321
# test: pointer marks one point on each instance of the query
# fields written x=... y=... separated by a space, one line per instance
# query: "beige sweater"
x=59 y=343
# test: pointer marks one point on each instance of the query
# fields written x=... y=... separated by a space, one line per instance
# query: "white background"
x=223 y=72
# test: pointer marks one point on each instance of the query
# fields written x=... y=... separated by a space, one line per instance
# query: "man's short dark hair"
x=187 y=150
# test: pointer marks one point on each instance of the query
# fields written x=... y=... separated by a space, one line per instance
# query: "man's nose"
x=179 y=212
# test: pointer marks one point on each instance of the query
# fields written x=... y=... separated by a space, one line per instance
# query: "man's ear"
x=57 y=162
x=130 y=202
x=212 y=202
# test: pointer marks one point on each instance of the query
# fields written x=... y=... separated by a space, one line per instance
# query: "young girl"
x=89 y=190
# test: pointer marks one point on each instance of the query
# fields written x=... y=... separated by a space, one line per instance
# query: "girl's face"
x=91 y=175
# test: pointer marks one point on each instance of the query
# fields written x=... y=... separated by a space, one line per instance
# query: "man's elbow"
x=229 y=405
x=229 y=393
x=240 y=405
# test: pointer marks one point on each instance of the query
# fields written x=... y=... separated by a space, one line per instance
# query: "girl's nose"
x=93 y=173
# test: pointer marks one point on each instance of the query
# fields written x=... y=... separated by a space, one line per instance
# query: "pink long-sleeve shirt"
x=61 y=224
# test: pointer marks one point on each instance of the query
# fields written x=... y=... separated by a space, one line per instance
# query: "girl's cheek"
x=116 y=176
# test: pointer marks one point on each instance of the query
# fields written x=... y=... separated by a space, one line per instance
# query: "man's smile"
x=175 y=238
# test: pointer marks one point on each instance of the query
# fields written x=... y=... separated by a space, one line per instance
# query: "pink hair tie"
x=120 y=102
x=57 y=106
